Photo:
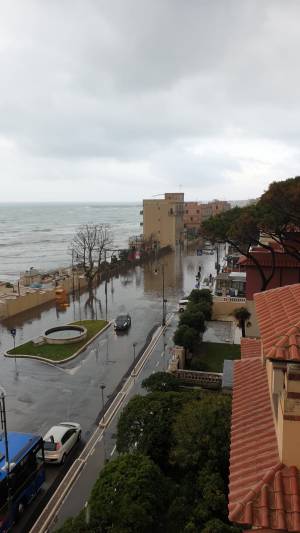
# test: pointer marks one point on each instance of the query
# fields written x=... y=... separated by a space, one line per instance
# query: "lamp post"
x=164 y=301
x=4 y=429
x=133 y=372
x=102 y=387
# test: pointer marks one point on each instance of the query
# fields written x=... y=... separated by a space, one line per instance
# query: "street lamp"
x=134 y=346
x=102 y=387
x=4 y=429
x=164 y=301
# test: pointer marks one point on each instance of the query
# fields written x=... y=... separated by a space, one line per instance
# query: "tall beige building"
x=163 y=220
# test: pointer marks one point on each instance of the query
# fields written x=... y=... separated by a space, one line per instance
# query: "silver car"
x=59 y=441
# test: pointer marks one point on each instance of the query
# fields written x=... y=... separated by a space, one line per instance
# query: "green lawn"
x=59 y=352
x=209 y=356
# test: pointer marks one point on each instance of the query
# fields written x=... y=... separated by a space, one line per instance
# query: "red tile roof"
x=250 y=348
x=278 y=314
x=262 y=491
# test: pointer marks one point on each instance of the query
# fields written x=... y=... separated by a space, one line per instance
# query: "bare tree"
x=89 y=247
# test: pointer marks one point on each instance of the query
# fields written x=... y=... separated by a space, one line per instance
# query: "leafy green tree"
x=130 y=496
x=240 y=227
x=194 y=319
x=145 y=424
x=242 y=315
x=201 y=434
x=199 y=295
x=279 y=214
x=161 y=382
x=185 y=336
x=217 y=526
x=203 y=306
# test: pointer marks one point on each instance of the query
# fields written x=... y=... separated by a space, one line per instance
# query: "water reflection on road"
x=39 y=395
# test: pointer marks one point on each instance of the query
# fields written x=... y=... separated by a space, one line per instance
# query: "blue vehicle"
x=25 y=478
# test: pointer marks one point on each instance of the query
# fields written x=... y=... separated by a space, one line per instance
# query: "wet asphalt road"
x=40 y=395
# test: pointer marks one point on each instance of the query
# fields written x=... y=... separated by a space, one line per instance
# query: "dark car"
x=122 y=322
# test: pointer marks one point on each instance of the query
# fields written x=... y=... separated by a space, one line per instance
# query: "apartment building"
x=196 y=212
x=264 y=487
x=163 y=220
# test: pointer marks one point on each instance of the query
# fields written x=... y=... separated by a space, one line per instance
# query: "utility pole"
x=4 y=429
x=134 y=346
x=102 y=387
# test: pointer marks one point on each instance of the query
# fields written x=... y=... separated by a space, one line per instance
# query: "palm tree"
x=242 y=315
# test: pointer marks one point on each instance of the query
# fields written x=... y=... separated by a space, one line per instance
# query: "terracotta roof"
x=250 y=348
x=262 y=491
x=265 y=259
x=278 y=314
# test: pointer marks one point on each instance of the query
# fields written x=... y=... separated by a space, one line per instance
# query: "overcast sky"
x=125 y=99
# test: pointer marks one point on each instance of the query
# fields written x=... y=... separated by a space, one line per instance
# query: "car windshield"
x=122 y=319
x=49 y=446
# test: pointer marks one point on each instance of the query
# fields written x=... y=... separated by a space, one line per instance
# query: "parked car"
x=182 y=305
x=122 y=322
x=59 y=441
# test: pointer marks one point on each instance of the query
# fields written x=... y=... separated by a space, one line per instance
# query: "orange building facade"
x=196 y=212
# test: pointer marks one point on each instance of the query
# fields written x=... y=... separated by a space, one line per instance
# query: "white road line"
x=157 y=363
x=162 y=354
x=113 y=450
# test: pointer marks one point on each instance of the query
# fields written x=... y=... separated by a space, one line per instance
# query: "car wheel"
x=63 y=459
x=79 y=436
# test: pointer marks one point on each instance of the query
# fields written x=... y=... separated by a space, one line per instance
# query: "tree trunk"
x=243 y=328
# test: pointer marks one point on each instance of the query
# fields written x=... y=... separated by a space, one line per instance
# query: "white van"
x=182 y=305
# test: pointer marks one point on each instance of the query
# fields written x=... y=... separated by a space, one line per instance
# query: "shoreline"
x=21 y=298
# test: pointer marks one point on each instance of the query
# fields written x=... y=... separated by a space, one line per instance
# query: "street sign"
x=199 y=252
x=13 y=332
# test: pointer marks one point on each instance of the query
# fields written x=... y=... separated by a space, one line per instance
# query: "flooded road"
x=40 y=395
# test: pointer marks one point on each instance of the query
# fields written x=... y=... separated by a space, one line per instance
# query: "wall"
x=283 y=276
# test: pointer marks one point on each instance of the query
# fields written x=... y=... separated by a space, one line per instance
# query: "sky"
x=121 y=100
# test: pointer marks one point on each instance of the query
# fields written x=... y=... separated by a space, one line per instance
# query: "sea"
x=39 y=234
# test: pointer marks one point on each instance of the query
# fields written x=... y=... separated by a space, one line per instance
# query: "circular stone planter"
x=65 y=335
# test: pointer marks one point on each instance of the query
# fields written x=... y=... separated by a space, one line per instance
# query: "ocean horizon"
x=38 y=234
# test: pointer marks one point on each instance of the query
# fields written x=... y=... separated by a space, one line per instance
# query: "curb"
x=45 y=360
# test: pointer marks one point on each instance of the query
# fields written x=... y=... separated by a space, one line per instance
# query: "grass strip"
x=59 y=352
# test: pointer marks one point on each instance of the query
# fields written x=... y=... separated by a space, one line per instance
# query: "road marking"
x=162 y=354
x=113 y=450
x=157 y=363
x=54 y=504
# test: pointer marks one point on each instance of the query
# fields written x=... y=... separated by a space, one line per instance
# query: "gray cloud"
x=100 y=90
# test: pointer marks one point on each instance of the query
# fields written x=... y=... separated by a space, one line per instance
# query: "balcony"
x=141 y=223
x=141 y=212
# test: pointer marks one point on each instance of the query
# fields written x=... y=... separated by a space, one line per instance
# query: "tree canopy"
x=275 y=216
x=185 y=336
x=88 y=248
x=194 y=319
x=161 y=382
x=129 y=496
x=145 y=424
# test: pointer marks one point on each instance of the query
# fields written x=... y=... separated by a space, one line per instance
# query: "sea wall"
x=14 y=303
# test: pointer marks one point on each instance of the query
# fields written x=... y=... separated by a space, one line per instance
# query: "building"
x=264 y=481
x=231 y=284
x=196 y=212
x=286 y=270
x=163 y=220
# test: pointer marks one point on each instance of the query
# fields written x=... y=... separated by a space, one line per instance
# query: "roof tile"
x=278 y=313
x=262 y=491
